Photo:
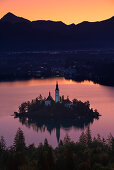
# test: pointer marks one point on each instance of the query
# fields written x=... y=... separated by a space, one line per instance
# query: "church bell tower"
x=57 y=97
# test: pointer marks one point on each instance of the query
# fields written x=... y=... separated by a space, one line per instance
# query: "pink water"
x=12 y=94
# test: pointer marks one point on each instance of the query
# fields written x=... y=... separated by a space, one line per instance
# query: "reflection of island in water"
x=50 y=125
x=49 y=114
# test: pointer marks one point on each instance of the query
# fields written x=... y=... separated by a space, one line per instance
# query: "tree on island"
x=63 y=109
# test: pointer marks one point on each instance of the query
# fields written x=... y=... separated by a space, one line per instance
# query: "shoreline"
x=44 y=78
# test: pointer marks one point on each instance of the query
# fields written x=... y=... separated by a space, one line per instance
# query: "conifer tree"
x=19 y=141
x=66 y=139
x=109 y=140
x=99 y=138
x=51 y=159
x=88 y=136
x=82 y=139
x=46 y=143
x=2 y=144
x=60 y=143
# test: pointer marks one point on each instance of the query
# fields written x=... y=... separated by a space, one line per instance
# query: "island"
x=58 y=109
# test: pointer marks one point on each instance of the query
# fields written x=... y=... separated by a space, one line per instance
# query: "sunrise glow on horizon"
x=49 y=81
x=68 y=11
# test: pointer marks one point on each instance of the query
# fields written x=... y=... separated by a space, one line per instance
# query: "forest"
x=87 y=153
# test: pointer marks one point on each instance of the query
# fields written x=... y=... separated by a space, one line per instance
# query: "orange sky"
x=68 y=11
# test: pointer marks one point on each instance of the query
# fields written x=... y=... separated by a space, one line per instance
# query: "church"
x=50 y=100
x=67 y=103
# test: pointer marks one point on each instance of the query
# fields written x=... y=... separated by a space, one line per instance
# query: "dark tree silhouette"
x=88 y=136
x=82 y=139
x=2 y=144
x=19 y=141
x=68 y=155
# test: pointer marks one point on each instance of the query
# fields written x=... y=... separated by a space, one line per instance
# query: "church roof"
x=57 y=88
x=49 y=98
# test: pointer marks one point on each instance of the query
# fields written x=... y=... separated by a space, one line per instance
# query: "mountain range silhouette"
x=20 y=34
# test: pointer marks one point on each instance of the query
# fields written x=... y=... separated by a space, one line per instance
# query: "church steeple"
x=57 y=86
x=57 y=97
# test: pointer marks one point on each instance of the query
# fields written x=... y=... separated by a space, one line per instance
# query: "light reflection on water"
x=12 y=94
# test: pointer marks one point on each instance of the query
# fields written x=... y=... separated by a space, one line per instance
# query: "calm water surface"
x=12 y=94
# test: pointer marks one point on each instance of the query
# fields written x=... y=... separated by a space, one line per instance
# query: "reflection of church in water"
x=58 y=99
x=55 y=125
x=48 y=102
x=43 y=126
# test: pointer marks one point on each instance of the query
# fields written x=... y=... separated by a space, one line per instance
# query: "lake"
x=12 y=94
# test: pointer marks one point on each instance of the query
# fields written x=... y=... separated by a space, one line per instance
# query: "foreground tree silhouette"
x=66 y=139
x=88 y=136
x=46 y=157
x=19 y=141
x=83 y=139
x=2 y=144
x=85 y=154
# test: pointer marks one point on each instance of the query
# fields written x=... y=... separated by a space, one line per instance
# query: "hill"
x=18 y=34
x=11 y=18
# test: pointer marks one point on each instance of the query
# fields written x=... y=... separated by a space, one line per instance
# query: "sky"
x=68 y=11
